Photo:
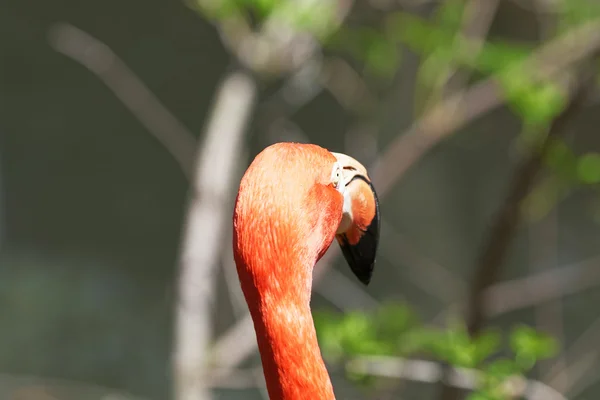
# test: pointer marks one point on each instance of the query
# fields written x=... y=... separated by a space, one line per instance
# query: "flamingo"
x=293 y=200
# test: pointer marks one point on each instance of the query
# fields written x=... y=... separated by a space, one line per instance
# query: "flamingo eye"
x=336 y=177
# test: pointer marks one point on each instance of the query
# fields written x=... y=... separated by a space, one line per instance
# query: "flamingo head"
x=293 y=201
x=358 y=232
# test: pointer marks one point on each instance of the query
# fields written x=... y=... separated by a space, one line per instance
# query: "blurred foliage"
x=567 y=171
x=438 y=40
x=314 y=17
x=394 y=330
x=443 y=48
x=576 y=12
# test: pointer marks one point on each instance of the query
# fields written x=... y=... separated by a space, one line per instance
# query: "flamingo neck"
x=292 y=362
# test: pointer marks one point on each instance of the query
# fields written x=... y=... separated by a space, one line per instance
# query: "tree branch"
x=583 y=350
x=207 y=214
x=423 y=371
x=500 y=236
x=507 y=219
x=477 y=20
x=430 y=372
x=545 y=286
x=129 y=89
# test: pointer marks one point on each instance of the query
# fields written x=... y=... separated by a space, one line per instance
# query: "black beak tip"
x=361 y=256
x=365 y=278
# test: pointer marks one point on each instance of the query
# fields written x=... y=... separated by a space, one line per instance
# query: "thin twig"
x=545 y=286
x=433 y=278
x=27 y=386
x=576 y=376
x=587 y=376
x=587 y=343
x=297 y=90
x=279 y=47
x=478 y=18
x=430 y=372
x=345 y=293
x=129 y=89
x=507 y=296
x=346 y=85
x=234 y=378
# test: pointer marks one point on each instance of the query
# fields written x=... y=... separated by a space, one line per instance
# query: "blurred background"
x=125 y=127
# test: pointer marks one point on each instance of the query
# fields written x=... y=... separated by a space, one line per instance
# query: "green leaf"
x=392 y=330
x=327 y=327
x=353 y=334
x=380 y=54
x=382 y=58
x=432 y=76
x=220 y=9
x=550 y=99
x=483 y=395
x=530 y=346
x=417 y=33
x=495 y=375
x=561 y=158
x=485 y=345
x=455 y=347
x=462 y=348
x=502 y=368
x=451 y=14
x=393 y=320
x=576 y=12
x=588 y=168
x=314 y=18
x=421 y=339
x=364 y=381
x=536 y=102
x=497 y=57
x=265 y=7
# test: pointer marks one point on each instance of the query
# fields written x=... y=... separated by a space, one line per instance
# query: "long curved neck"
x=287 y=340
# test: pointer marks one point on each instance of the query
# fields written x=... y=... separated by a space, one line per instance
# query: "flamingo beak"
x=358 y=233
